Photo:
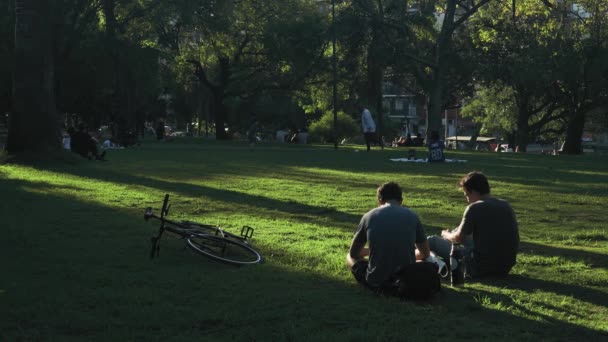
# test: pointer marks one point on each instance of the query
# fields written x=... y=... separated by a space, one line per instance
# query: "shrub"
x=322 y=130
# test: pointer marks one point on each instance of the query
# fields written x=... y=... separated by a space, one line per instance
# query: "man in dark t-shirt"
x=392 y=233
x=488 y=231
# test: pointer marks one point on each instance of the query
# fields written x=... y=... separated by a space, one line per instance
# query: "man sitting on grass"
x=436 y=147
x=391 y=232
x=488 y=231
x=84 y=144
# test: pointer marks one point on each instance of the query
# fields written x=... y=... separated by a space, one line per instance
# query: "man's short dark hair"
x=390 y=191
x=475 y=181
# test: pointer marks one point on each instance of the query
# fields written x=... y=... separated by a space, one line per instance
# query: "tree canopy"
x=526 y=68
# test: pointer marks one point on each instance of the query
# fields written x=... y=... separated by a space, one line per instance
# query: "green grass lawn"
x=74 y=247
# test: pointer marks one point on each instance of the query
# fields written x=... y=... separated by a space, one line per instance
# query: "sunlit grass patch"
x=555 y=262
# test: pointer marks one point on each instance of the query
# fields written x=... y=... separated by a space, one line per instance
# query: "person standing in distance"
x=488 y=231
x=392 y=233
x=368 y=125
x=252 y=133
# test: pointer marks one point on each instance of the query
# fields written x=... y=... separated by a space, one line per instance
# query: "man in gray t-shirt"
x=392 y=233
x=488 y=231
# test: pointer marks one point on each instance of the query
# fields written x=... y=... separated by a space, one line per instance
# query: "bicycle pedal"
x=148 y=213
x=247 y=232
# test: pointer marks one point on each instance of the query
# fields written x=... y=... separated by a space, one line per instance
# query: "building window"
x=386 y=104
x=398 y=104
x=412 y=109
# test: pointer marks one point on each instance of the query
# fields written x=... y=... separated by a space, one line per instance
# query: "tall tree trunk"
x=374 y=84
x=523 y=102
x=438 y=89
x=574 y=133
x=220 y=96
x=438 y=81
x=523 y=129
x=435 y=106
x=118 y=98
x=220 y=114
x=33 y=125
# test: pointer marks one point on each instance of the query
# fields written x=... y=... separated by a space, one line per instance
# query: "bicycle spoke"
x=224 y=249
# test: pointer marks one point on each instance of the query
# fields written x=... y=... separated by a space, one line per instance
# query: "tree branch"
x=241 y=48
x=135 y=14
x=469 y=13
x=199 y=72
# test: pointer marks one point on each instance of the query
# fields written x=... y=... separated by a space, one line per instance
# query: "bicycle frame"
x=182 y=228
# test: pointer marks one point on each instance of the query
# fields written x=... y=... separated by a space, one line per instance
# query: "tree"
x=33 y=124
x=7 y=46
x=493 y=107
x=581 y=68
x=553 y=61
x=434 y=51
x=517 y=51
x=126 y=93
x=369 y=32
x=244 y=48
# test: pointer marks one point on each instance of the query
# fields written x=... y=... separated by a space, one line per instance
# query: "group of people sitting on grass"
x=408 y=141
x=81 y=142
x=391 y=238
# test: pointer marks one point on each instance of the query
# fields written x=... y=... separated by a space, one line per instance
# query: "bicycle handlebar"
x=165 y=210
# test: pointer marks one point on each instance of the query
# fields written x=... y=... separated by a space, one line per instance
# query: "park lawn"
x=74 y=247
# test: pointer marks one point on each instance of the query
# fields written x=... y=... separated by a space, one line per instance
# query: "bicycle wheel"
x=223 y=249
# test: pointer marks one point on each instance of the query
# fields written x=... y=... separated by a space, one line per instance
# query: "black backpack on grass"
x=418 y=281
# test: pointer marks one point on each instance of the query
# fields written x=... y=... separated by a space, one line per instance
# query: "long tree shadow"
x=556 y=177
x=558 y=329
x=528 y=284
x=592 y=259
x=290 y=210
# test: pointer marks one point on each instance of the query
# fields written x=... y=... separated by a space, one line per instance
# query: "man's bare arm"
x=422 y=250
x=356 y=252
x=453 y=236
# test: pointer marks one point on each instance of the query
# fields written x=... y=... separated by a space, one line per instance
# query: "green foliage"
x=549 y=55
x=323 y=129
x=494 y=108
x=241 y=51
x=255 y=54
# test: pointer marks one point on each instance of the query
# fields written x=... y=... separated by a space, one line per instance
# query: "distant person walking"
x=252 y=133
x=368 y=125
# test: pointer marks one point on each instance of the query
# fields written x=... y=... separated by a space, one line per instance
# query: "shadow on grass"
x=91 y=261
x=557 y=329
x=590 y=258
x=528 y=284
x=290 y=210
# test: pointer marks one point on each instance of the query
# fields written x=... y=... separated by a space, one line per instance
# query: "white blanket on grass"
x=405 y=160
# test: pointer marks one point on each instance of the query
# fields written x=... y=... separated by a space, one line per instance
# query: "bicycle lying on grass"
x=208 y=240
